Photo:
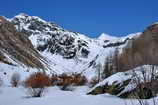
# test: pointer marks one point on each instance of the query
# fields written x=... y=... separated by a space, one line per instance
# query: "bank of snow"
x=54 y=96
x=6 y=72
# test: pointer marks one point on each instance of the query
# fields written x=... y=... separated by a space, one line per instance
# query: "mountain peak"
x=105 y=36
x=155 y=23
x=2 y=19
x=22 y=15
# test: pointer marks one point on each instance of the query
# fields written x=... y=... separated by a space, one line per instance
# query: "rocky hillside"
x=16 y=48
x=47 y=36
x=141 y=50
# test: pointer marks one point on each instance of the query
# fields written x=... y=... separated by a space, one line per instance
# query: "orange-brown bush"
x=37 y=83
x=65 y=80
x=73 y=79
x=38 y=80
x=79 y=79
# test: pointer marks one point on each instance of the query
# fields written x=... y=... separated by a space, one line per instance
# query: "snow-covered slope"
x=17 y=96
x=128 y=81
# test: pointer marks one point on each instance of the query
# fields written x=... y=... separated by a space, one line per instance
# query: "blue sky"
x=90 y=17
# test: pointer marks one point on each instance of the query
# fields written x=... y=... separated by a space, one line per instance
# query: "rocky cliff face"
x=16 y=48
x=47 y=36
x=143 y=50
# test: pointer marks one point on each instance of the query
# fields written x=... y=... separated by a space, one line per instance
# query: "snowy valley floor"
x=54 y=96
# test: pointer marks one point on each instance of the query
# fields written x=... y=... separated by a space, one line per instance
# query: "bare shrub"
x=55 y=79
x=15 y=79
x=146 y=85
x=36 y=83
x=1 y=82
x=65 y=81
x=93 y=82
x=79 y=79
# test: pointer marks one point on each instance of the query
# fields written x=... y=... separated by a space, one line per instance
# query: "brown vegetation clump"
x=38 y=80
x=93 y=82
x=54 y=79
x=65 y=80
x=74 y=79
x=37 y=83
x=79 y=79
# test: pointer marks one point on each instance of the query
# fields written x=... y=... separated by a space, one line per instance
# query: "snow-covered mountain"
x=65 y=50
